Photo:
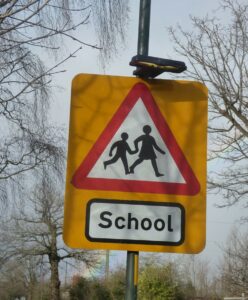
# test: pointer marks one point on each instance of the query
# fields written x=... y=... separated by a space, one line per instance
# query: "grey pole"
x=132 y=275
x=144 y=27
x=143 y=47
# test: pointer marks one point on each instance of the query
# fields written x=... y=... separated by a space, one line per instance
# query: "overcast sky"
x=164 y=13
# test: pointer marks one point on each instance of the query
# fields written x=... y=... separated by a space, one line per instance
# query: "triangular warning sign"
x=137 y=152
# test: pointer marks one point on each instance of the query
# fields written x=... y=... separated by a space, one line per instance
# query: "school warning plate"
x=136 y=170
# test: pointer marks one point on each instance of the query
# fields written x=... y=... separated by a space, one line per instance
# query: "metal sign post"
x=143 y=46
x=144 y=27
x=132 y=275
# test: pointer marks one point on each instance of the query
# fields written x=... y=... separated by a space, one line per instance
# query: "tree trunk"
x=55 y=282
x=54 y=264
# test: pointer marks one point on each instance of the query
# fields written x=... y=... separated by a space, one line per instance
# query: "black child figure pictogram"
x=147 y=150
x=122 y=148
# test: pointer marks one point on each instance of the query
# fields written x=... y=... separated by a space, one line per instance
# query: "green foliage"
x=117 y=283
x=89 y=289
x=158 y=282
x=99 y=291
x=80 y=290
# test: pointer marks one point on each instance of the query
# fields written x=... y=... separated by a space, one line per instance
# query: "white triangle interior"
x=133 y=126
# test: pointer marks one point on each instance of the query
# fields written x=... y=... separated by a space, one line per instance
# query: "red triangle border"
x=81 y=181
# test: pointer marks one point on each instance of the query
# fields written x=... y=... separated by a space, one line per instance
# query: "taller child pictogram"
x=147 y=150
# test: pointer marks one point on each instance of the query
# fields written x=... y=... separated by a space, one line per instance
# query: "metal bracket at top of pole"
x=149 y=66
x=144 y=27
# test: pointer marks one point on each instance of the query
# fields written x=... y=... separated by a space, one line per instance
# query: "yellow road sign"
x=136 y=170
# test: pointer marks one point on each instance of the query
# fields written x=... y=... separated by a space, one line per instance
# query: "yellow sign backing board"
x=136 y=169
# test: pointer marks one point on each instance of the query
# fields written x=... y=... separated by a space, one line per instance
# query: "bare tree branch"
x=218 y=56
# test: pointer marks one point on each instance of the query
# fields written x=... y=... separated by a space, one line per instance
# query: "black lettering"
x=117 y=223
x=103 y=218
x=161 y=226
x=149 y=223
x=169 y=224
x=130 y=219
